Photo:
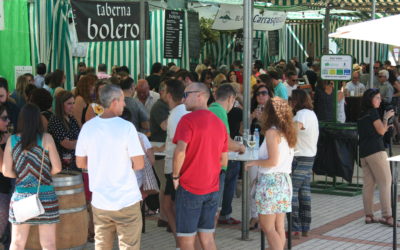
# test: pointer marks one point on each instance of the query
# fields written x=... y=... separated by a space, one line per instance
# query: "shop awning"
x=383 y=6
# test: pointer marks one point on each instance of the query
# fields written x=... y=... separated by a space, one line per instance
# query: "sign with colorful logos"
x=99 y=21
x=1 y=15
x=336 y=67
x=230 y=17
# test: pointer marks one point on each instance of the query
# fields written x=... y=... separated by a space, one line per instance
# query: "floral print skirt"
x=274 y=193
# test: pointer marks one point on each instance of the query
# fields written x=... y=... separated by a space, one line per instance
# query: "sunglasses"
x=381 y=76
x=186 y=94
x=4 y=118
x=262 y=93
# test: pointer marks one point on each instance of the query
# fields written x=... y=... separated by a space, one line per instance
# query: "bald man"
x=145 y=95
x=201 y=149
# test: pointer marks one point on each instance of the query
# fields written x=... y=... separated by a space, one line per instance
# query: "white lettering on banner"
x=230 y=17
x=107 y=30
x=20 y=70
x=106 y=10
x=1 y=15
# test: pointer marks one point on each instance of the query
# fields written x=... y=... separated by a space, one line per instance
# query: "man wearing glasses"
x=201 y=149
x=385 y=88
x=291 y=83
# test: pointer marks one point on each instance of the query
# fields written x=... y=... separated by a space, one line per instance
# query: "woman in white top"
x=306 y=148
x=274 y=186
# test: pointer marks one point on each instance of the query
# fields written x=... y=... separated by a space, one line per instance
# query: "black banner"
x=97 y=21
x=273 y=43
x=194 y=34
x=173 y=36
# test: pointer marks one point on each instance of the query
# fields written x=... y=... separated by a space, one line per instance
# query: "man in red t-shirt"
x=201 y=148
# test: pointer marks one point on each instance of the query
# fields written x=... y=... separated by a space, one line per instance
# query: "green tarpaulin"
x=14 y=39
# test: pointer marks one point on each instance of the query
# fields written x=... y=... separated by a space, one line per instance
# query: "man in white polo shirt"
x=109 y=148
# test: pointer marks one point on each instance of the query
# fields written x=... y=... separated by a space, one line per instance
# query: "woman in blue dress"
x=22 y=160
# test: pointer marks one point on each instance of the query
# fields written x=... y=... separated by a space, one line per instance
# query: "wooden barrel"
x=72 y=231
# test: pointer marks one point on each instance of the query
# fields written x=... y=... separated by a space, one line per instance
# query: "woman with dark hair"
x=306 y=148
x=65 y=129
x=261 y=94
x=273 y=191
x=5 y=183
x=43 y=100
x=84 y=96
x=207 y=77
x=324 y=101
x=22 y=160
x=56 y=84
x=373 y=157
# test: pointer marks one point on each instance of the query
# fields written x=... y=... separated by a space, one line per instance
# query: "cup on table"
x=239 y=140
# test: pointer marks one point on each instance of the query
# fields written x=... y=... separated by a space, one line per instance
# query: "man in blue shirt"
x=279 y=87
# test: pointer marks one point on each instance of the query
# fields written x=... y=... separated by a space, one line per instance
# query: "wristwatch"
x=175 y=177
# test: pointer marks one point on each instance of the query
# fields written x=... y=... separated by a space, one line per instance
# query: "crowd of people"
x=102 y=129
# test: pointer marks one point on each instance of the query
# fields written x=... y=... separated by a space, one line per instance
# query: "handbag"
x=29 y=207
x=150 y=184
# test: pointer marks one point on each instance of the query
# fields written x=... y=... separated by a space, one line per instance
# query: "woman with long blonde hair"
x=274 y=187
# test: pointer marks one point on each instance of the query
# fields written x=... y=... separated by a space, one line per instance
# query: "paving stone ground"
x=338 y=223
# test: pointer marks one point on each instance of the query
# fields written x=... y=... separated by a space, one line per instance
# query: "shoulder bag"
x=29 y=207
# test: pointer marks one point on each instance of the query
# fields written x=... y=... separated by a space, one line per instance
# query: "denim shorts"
x=195 y=213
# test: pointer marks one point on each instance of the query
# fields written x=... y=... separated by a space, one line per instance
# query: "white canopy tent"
x=381 y=30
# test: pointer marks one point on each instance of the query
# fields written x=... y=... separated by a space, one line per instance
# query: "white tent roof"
x=383 y=30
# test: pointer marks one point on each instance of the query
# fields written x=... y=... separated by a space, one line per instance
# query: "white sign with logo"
x=1 y=15
x=20 y=70
x=230 y=17
x=336 y=67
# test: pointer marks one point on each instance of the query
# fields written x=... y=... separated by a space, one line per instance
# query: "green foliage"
x=207 y=34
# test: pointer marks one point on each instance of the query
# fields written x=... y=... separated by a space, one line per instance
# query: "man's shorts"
x=169 y=187
x=195 y=213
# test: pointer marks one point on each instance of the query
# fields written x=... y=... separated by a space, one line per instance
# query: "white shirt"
x=151 y=99
x=307 y=138
x=289 y=88
x=145 y=146
x=174 y=117
x=284 y=161
x=358 y=88
x=109 y=145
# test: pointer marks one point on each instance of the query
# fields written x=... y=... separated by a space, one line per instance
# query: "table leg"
x=394 y=202
x=245 y=205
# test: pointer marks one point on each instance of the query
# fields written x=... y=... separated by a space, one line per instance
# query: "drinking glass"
x=251 y=143
x=238 y=139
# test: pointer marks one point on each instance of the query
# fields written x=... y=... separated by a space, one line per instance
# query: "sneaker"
x=295 y=235
x=230 y=221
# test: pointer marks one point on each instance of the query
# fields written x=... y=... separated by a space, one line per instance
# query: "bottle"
x=257 y=136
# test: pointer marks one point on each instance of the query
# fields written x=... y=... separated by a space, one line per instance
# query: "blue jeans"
x=195 y=213
x=232 y=174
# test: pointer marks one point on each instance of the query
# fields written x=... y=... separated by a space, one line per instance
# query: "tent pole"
x=142 y=39
x=247 y=58
x=325 y=49
x=372 y=51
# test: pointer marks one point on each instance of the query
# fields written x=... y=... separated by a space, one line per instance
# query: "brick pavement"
x=338 y=223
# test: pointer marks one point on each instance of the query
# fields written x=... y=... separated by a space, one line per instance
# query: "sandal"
x=253 y=224
x=388 y=220
x=369 y=219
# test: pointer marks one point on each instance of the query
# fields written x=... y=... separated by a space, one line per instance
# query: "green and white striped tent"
x=50 y=42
